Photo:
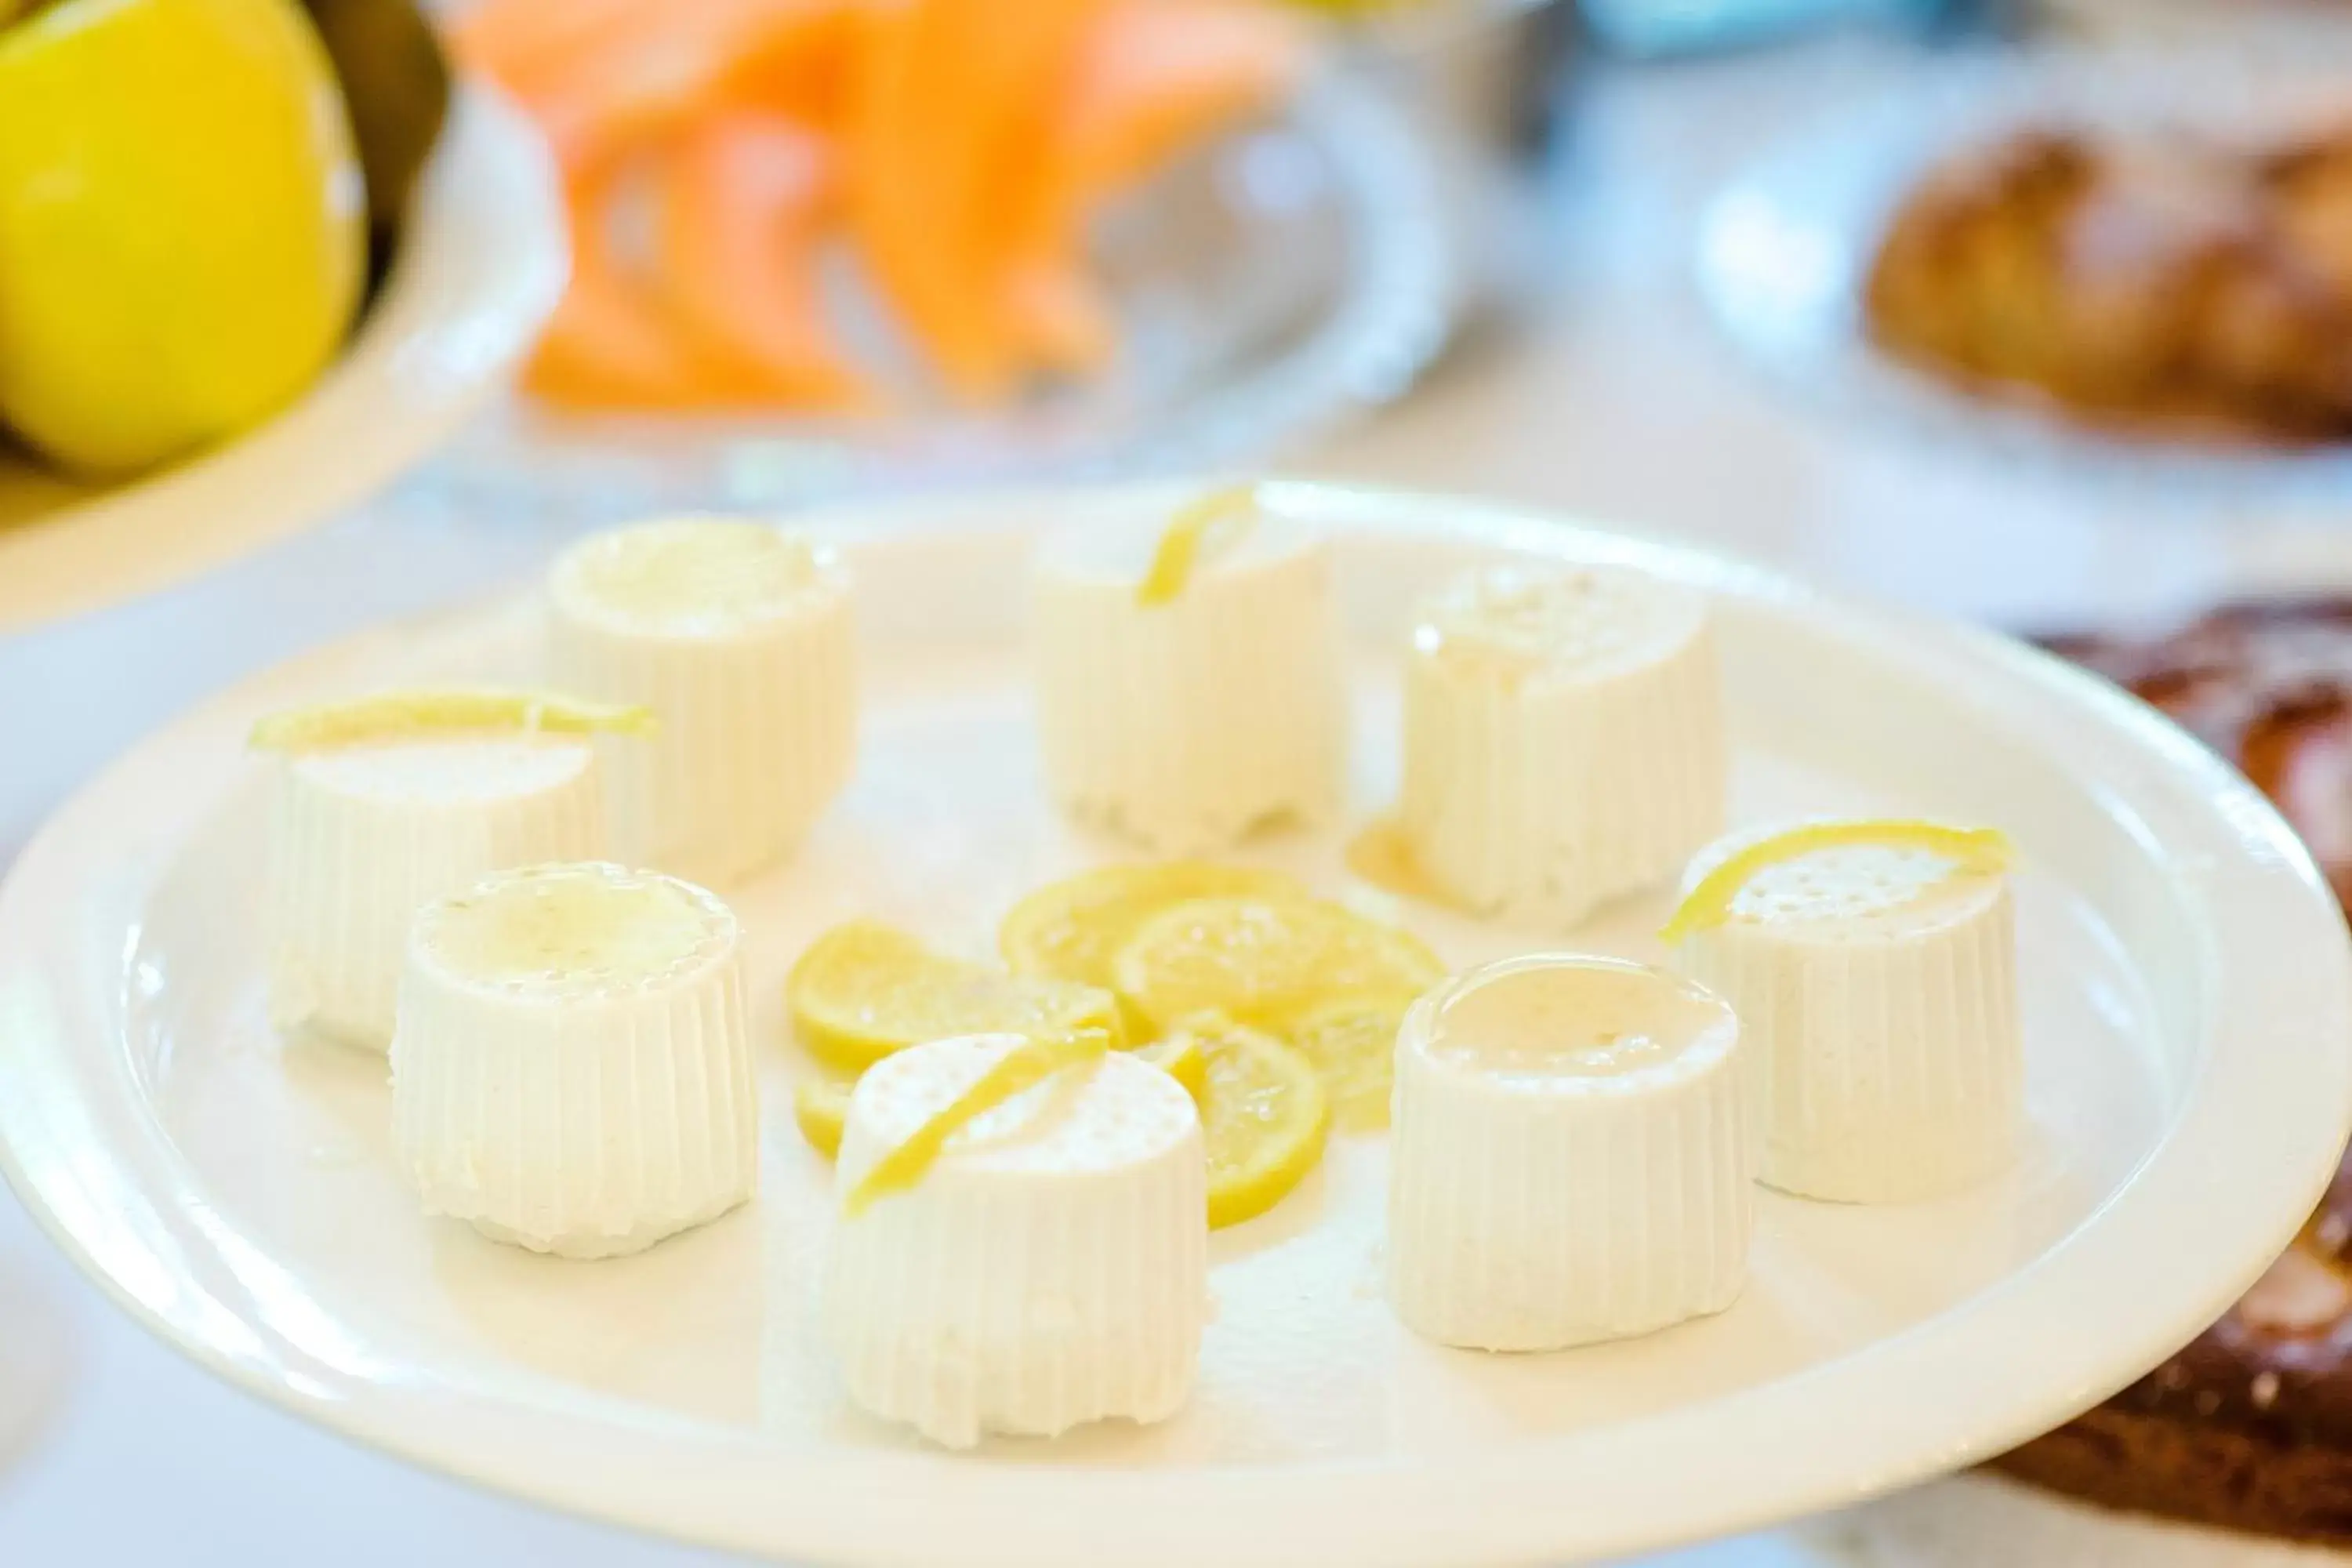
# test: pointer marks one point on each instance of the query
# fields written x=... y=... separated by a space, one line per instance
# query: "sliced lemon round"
x=1266 y=962
x=1971 y=851
x=820 y=1110
x=1073 y=929
x=411 y=715
x=865 y=989
x=1181 y=1058
x=1352 y=1043
x=1217 y=518
x=1264 y=1115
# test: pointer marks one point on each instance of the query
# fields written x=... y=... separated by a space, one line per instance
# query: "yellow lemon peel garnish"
x=1226 y=511
x=1979 y=850
x=821 y=1104
x=400 y=715
x=1022 y=1067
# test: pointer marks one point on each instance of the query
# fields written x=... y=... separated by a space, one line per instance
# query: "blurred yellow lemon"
x=183 y=224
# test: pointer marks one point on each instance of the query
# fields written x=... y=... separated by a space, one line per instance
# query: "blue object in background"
x=1648 y=28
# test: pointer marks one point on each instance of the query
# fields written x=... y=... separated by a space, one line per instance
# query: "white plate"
x=483 y=263
x=2189 y=1007
x=1785 y=250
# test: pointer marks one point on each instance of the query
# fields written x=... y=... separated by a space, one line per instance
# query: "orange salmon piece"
x=745 y=200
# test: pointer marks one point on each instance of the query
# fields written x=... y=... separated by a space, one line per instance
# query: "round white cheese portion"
x=742 y=641
x=573 y=1071
x=1563 y=737
x=1878 y=989
x=1571 y=1158
x=1050 y=1268
x=367 y=834
x=1185 y=725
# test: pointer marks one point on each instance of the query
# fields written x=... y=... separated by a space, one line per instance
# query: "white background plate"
x=481 y=265
x=2188 y=1002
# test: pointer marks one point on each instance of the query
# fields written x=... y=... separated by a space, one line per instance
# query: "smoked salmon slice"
x=610 y=343
x=955 y=149
x=1152 y=78
x=1160 y=76
x=744 y=201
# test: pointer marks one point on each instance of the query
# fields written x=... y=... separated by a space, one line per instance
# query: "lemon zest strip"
x=440 y=712
x=1226 y=512
x=1024 y=1066
x=1979 y=850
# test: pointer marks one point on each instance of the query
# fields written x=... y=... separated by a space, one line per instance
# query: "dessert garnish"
x=424 y=714
x=1970 y=850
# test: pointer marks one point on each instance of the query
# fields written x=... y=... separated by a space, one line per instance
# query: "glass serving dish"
x=1783 y=252
x=1300 y=270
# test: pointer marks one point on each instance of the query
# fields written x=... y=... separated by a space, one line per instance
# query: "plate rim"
x=1759 y=1458
x=485 y=262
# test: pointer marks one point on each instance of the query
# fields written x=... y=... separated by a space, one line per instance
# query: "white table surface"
x=1614 y=399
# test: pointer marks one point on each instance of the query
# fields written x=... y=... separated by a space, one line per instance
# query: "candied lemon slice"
x=1220 y=517
x=1022 y=1067
x=820 y=1110
x=1073 y=929
x=410 y=715
x=1266 y=962
x=1976 y=850
x=865 y=989
x=1182 y=1058
x=1352 y=1043
x=1264 y=1116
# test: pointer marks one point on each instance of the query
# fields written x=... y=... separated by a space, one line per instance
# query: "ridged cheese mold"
x=1878 y=984
x=1563 y=739
x=367 y=833
x=573 y=1071
x=741 y=639
x=1573 y=1157
x=1182 y=710
x=1050 y=1265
